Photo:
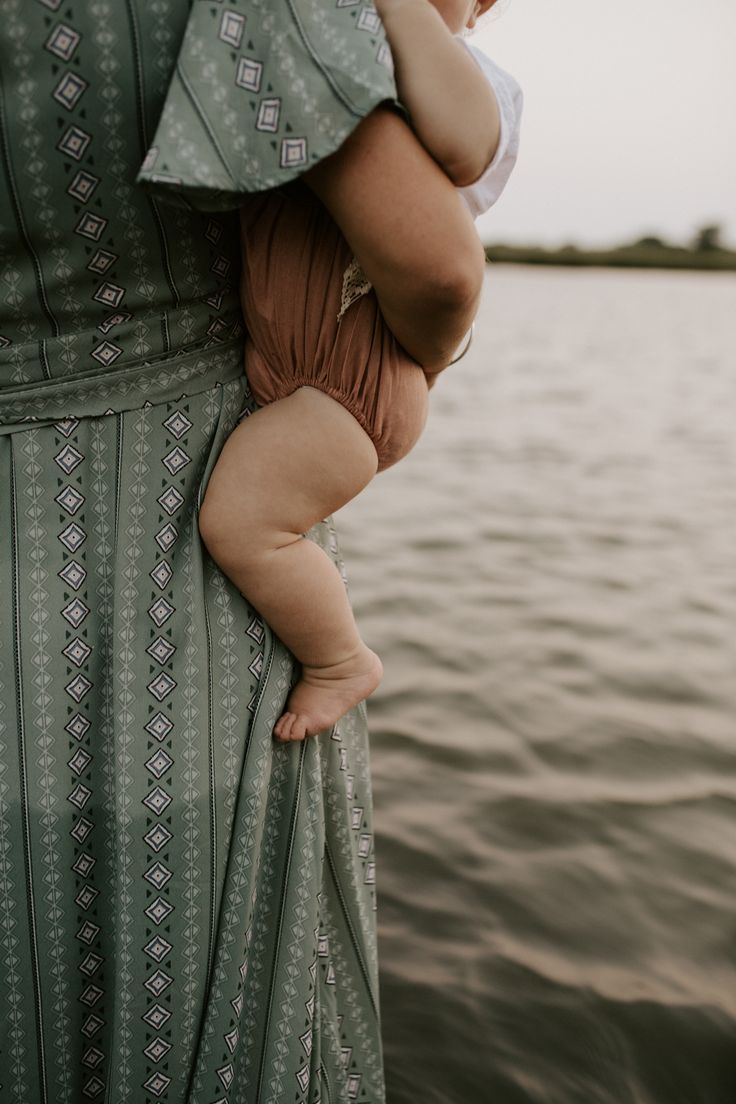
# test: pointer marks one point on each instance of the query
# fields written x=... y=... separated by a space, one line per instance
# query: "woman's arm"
x=410 y=231
x=453 y=109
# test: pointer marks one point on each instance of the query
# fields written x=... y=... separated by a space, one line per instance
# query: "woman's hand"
x=410 y=231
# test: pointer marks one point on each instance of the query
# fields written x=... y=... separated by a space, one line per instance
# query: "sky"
x=629 y=123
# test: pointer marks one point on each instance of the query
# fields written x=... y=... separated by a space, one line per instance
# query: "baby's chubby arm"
x=453 y=110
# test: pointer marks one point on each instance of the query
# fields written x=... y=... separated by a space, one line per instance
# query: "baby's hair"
x=493 y=13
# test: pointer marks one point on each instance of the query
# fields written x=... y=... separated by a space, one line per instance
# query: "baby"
x=340 y=399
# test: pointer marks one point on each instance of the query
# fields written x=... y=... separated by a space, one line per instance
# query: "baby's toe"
x=282 y=726
x=299 y=727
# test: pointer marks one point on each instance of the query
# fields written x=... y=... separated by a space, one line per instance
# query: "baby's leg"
x=283 y=469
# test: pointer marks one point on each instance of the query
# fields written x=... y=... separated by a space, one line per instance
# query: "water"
x=550 y=579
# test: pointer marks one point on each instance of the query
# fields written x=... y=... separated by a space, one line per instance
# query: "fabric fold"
x=260 y=93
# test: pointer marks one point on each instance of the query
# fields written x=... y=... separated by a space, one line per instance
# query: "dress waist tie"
x=142 y=383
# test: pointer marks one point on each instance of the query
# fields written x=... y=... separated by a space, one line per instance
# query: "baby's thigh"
x=236 y=511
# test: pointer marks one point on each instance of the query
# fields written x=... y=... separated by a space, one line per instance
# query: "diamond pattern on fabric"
x=159 y=763
x=77 y=651
x=72 y=537
x=69 y=499
x=161 y=649
x=68 y=459
x=158 y=910
x=157 y=836
x=161 y=573
x=74 y=142
x=157 y=800
x=177 y=424
x=161 y=686
x=76 y=611
x=157 y=983
x=156 y=1016
x=62 y=41
x=81 y=829
x=171 y=500
x=166 y=537
x=156 y=1049
x=106 y=353
x=80 y=761
x=69 y=90
x=160 y=611
x=159 y=726
x=176 y=460
x=157 y=948
x=157 y=1083
x=73 y=574
x=78 y=687
x=77 y=726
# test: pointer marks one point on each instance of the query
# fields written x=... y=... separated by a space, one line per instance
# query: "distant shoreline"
x=637 y=255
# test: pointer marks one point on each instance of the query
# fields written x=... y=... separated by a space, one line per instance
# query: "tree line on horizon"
x=707 y=239
x=705 y=251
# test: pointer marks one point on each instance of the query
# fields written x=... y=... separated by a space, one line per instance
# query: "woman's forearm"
x=453 y=109
x=410 y=231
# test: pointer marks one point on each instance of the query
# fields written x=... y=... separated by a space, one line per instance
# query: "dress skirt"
x=186 y=905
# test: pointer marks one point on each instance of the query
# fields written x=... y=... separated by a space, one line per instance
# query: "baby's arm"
x=453 y=110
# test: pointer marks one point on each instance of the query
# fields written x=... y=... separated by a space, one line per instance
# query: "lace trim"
x=354 y=284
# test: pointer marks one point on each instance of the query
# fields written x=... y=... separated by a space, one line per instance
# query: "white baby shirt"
x=484 y=192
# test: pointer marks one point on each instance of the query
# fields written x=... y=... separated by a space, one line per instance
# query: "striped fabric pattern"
x=187 y=908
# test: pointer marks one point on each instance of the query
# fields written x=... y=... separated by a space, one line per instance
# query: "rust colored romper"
x=294 y=258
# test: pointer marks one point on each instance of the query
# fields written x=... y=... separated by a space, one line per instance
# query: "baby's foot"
x=324 y=694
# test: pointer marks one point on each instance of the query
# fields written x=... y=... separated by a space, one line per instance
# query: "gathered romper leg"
x=294 y=258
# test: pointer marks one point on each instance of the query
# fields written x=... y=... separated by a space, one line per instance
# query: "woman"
x=186 y=907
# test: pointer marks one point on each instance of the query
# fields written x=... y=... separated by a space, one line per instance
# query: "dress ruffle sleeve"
x=262 y=90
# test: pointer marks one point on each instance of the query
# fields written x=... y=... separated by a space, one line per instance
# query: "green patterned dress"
x=187 y=908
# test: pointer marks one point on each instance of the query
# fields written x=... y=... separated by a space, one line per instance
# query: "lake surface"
x=550 y=579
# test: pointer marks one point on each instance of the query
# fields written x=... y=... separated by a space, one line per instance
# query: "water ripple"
x=550 y=581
